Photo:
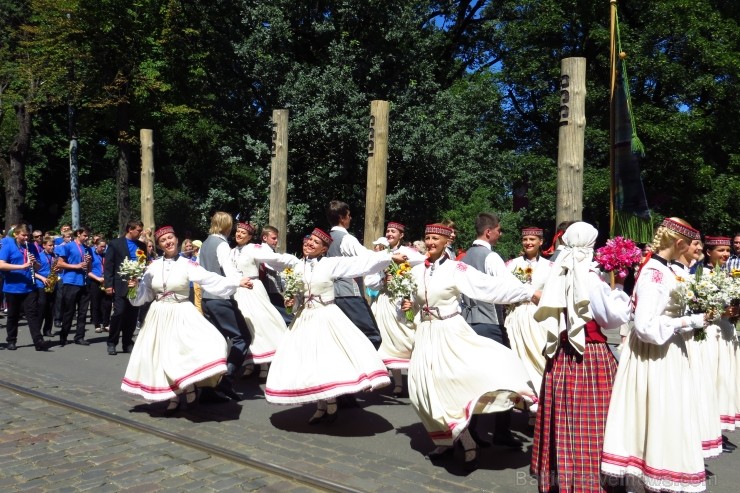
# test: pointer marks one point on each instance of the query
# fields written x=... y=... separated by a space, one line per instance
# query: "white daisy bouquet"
x=294 y=285
x=132 y=269
x=401 y=284
x=708 y=293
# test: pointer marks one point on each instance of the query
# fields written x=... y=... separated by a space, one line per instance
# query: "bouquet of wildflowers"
x=132 y=269
x=709 y=293
x=524 y=274
x=293 y=282
x=401 y=284
x=619 y=255
x=733 y=292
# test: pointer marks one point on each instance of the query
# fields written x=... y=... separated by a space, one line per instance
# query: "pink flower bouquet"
x=618 y=256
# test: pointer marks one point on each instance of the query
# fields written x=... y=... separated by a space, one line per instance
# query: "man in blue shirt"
x=75 y=258
x=18 y=264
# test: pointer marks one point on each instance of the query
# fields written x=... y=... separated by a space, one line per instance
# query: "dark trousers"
x=496 y=333
x=46 y=309
x=58 y=302
x=122 y=321
x=358 y=311
x=226 y=317
x=100 y=305
x=29 y=303
x=278 y=302
x=75 y=299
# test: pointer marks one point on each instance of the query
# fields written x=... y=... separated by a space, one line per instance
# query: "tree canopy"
x=473 y=87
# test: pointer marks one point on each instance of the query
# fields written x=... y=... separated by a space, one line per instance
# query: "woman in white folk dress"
x=454 y=373
x=396 y=331
x=265 y=323
x=324 y=355
x=722 y=337
x=651 y=438
x=177 y=348
x=526 y=336
x=703 y=363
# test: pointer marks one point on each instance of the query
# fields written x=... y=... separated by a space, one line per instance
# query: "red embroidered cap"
x=322 y=235
x=438 y=229
x=163 y=231
x=395 y=225
x=716 y=241
x=247 y=227
x=532 y=231
x=687 y=231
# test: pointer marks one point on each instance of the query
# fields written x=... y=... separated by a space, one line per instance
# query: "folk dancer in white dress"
x=454 y=373
x=651 y=437
x=396 y=331
x=176 y=348
x=266 y=325
x=722 y=340
x=324 y=355
x=527 y=336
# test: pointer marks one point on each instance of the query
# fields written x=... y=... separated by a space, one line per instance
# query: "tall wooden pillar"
x=571 y=139
x=147 y=178
x=377 y=169
x=279 y=176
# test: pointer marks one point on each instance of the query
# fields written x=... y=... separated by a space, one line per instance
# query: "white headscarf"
x=564 y=304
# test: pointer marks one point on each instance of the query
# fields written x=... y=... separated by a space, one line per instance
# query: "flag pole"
x=613 y=55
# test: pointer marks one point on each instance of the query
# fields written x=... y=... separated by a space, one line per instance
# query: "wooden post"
x=147 y=178
x=570 y=139
x=279 y=176
x=377 y=168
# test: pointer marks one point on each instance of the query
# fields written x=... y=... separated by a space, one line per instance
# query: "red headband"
x=322 y=235
x=246 y=226
x=398 y=226
x=716 y=241
x=687 y=231
x=532 y=232
x=163 y=231
x=438 y=229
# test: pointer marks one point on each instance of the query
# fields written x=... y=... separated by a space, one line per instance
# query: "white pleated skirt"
x=176 y=347
x=528 y=339
x=397 y=333
x=323 y=356
x=266 y=325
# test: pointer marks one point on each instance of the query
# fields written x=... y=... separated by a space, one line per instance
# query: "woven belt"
x=317 y=299
x=429 y=312
x=171 y=297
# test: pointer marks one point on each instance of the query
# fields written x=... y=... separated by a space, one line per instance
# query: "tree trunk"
x=123 y=200
x=14 y=172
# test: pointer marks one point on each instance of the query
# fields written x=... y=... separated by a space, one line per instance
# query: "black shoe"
x=82 y=342
x=47 y=333
x=440 y=453
x=128 y=348
x=507 y=441
x=230 y=393
x=212 y=396
x=726 y=449
x=11 y=346
x=62 y=342
x=58 y=325
x=112 y=350
x=727 y=443
x=347 y=401
x=479 y=440
x=41 y=346
x=470 y=464
x=318 y=417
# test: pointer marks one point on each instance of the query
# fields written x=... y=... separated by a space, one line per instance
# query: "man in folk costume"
x=487 y=319
x=123 y=316
x=270 y=278
x=223 y=311
x=348 y=294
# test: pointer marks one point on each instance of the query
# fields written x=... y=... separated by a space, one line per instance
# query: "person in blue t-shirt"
x=47 y=284
x=75 y=258
x=18 y=265
x=100 y=301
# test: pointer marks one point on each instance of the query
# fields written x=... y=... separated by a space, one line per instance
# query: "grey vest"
x=474 y=311
x=342 y=287
x=208 y=259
